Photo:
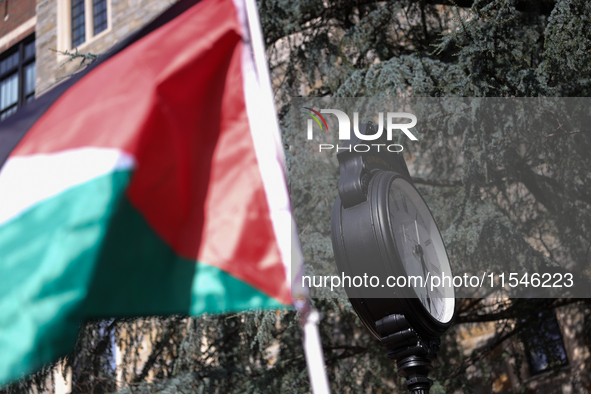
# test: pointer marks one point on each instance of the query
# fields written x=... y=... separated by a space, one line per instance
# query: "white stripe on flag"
x=27 y=180
x=266 y=137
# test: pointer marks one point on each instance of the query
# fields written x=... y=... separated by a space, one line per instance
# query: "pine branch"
x=349 y=351
x=485 y=350
x=433 y=182
x=514 y=311
x=157 y=350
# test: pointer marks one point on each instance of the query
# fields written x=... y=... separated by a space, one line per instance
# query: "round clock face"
x=421 y=250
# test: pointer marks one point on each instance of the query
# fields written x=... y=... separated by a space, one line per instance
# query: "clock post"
x=411 y=353
x=381 y=226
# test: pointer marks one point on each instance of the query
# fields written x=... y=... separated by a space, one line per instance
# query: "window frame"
x=19 y=70
x=64 y=26
x=546 y=319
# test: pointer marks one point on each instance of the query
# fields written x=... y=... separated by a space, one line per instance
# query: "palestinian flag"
x=148 y=184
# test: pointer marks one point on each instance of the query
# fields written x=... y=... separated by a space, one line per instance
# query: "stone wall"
x=126 y=16
x=17 y=21
x=14 y=13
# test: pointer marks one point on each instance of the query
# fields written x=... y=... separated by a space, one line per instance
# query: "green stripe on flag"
x=215 y=291
x=89 y=253
x=140 y=274
x=47 y=257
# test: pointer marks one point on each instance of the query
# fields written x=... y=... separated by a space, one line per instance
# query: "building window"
x=544 y=347
x=78 y=25
x=99 y=14
x=80 y=17
x=80 y=21
x=17 y=77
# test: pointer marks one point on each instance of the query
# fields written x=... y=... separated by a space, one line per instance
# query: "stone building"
x=552 y=358
x=17 y=54
x=36 y=36
x=35 y=39
x=84 y=26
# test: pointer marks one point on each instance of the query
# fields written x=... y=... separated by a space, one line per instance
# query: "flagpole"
x=260 y=60
x=309 y=317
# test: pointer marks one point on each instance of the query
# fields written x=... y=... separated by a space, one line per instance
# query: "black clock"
x=419 y=245
x=382 y=227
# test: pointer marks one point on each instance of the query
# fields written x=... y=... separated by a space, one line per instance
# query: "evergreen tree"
x=516 y=196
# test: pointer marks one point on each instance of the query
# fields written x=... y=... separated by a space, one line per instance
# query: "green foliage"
x=522 y=194
x=513 y=196
x=567 y=48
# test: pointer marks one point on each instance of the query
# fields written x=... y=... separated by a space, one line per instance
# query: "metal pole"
x=415 y=369
x=412 y=353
